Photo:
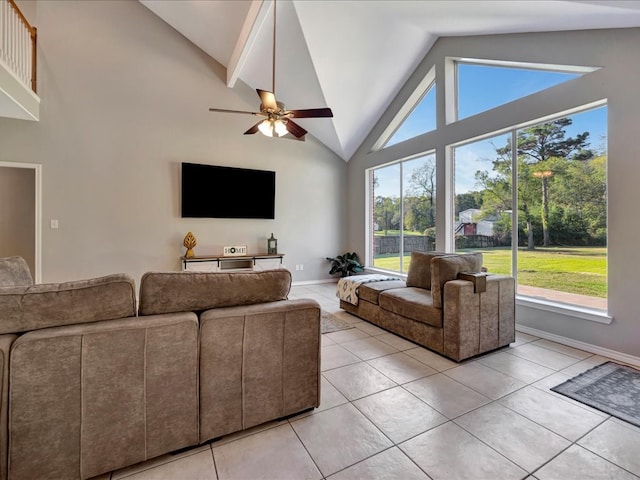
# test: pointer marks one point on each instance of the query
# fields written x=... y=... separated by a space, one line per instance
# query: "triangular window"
x=483 y=87
x=417 y=116
x=422 y=119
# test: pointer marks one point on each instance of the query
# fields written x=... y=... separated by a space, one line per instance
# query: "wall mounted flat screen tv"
x=211 y=191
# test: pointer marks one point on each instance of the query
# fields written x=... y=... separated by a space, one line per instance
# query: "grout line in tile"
x=305 y=448
x=572 y=443
x=215 y=464
x=162 y=460
x=489 y=446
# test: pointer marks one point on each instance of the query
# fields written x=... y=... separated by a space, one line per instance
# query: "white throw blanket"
x=348 y=286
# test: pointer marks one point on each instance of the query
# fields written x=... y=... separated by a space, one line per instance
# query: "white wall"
x=616 y=51
x=125 y=99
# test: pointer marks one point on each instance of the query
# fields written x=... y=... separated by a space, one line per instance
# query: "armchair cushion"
x=419 y=274
x=14 y=272
x=446 y=268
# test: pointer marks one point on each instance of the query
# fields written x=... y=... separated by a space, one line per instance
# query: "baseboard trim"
x=587 y=347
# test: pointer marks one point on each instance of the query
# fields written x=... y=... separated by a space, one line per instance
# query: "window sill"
x=591 y=314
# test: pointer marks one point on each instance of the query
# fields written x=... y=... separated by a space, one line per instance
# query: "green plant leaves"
x=345 y=264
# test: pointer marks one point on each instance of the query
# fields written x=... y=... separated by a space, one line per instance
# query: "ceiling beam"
x=256 y=16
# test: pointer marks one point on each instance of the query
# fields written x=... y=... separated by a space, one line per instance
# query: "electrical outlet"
x=301 y=267
x=54 y=223
x=297 y=267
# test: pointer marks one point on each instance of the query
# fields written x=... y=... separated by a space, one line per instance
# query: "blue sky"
x=481 y=88
x=421 y=120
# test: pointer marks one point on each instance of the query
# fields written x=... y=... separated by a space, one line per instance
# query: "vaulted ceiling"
x=355 y=55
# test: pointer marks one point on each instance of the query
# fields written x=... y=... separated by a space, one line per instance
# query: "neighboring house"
x=472 y=223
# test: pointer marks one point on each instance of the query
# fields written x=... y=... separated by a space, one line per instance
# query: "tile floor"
x=393 y=410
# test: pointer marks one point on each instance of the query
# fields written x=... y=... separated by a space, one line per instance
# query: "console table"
x=262 y=261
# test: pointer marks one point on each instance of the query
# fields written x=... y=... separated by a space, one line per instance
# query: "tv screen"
x=210 y=191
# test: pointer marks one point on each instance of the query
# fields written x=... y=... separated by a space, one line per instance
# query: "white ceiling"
x=355 y=55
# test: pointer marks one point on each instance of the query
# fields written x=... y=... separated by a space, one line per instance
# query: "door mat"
x=610 y=387
x=331 y=323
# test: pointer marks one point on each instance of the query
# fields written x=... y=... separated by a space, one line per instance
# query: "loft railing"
x=18 y=43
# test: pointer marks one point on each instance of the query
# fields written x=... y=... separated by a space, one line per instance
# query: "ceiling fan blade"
x=253 y=129
x=268 y=100
x=310 y=113
x=232 y=111
x=295 y=129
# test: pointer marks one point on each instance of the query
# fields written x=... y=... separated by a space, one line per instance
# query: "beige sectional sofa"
x=91 y=383
x=436 y=308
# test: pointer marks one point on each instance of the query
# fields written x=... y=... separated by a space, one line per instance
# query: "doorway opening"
x=21 y=213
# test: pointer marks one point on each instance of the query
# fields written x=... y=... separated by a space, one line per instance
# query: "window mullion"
x=514 y=205
x=401 y=217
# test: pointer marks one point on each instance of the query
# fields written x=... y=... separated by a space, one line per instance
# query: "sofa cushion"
x=14 y=272
x=446 y=268
x=55 y=304
x=168 y=292
x=411 y=302
x=419 y=274
x=370 y=291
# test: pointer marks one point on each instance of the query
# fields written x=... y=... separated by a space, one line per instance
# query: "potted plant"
x=346 y=264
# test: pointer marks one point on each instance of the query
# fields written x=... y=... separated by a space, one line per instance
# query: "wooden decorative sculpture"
x=189 y=242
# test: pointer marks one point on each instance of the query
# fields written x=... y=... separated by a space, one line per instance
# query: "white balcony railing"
x=18 y=43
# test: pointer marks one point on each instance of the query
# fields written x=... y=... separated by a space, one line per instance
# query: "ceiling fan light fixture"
x=269 y=127
x=280 y=128
x=266 y=128
x=277 y=120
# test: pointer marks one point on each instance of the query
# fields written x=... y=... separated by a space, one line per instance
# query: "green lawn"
x=581 y=270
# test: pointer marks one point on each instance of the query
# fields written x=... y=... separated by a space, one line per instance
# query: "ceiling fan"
x=278 y=121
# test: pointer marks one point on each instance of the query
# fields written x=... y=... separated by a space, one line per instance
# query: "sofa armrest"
x=476 y=323
x=479 y=280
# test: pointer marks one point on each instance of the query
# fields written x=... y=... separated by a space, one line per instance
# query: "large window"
x=531 y=197
x=403 y=212
x=561 y=204
x=483 y=201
